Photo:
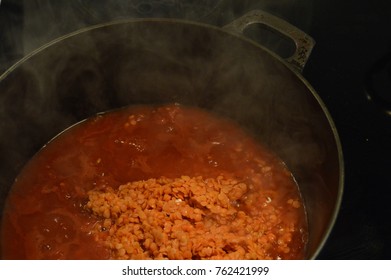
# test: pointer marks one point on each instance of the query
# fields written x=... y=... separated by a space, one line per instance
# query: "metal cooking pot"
x=159 y=61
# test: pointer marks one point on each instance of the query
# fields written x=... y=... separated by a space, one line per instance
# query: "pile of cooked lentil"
x=191 y=218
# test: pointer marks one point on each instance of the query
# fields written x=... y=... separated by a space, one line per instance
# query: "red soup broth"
x=53 y=209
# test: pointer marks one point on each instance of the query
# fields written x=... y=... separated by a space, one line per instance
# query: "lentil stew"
x=155 y=182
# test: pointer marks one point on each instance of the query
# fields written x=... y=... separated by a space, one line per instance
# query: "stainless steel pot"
x=162 y=60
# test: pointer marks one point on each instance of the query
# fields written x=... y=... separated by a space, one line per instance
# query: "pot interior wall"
x=168 y=61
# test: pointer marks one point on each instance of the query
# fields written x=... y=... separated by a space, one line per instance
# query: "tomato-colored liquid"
x=45 y=215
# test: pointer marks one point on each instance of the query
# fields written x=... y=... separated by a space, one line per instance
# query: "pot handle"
x=303 y=42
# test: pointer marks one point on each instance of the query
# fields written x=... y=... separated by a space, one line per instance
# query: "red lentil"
x=194 y=222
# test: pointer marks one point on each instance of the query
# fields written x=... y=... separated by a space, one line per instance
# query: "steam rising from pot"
x=28 y=24
x=65 y=85
x=120 y=64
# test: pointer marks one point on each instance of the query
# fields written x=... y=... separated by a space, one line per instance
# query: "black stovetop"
x=350 y=68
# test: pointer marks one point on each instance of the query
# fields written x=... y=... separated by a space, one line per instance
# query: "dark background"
x=350 y=68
